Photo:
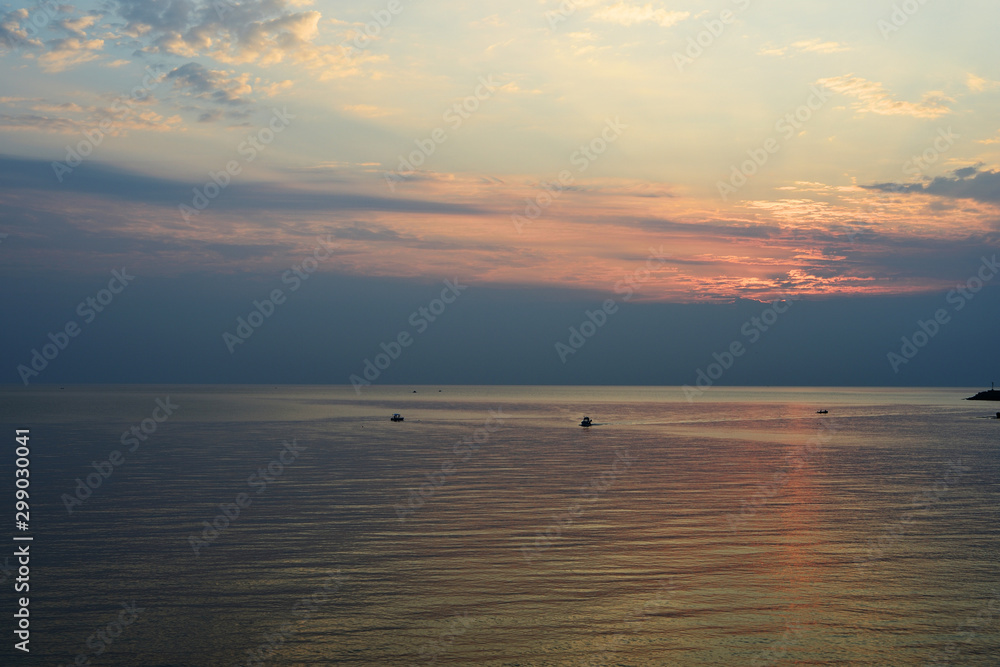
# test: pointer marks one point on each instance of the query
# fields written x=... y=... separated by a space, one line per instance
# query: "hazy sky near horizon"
x=867 y=138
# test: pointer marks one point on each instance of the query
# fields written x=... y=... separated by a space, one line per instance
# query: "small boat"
x=586 y=421
x=822 y=412
x=396 y=418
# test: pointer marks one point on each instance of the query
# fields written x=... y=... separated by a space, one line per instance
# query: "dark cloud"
x=48 y=233
x=212 y=85
x=253 y=197
x=366 y=233
x=966 y=183
x=18 y=174
x=209 y=116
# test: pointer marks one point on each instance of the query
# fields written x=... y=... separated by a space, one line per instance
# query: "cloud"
x=625 y=14
x=368 y=110
x=965 y=183
x=493 y=20
x=40 y=115
x=977 y=84
x=451 y=227
x=769 y=50
x=78 y=26
x=233 y=95
x=12 y=35
x=18 y=174
x=57 y=107
x=69 y=52
x=216 y=86
x=819 y=46
x=38 y=123
x=990 y=141
x=264 y=32
x=804 y=46
x=874 y=98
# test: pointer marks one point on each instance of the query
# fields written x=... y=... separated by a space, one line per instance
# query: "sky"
x=691 y=162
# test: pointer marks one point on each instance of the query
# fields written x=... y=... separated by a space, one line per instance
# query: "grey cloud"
x=966 y=183
x=212 y=85
x=12 y=34
x=18 y=174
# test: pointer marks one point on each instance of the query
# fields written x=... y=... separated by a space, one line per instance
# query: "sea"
x=209 y=526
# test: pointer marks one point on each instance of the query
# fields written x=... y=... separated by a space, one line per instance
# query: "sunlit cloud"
x=13 y=34
x=978 y=84
x=804 y=46
x=874 y=98
x=965 y=183
x=51 y=117
x=623 y=13
x=368 y=110
x=70 y=52
x=78 y=26
x=831 y=208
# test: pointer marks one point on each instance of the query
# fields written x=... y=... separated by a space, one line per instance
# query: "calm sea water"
x=742 y=528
